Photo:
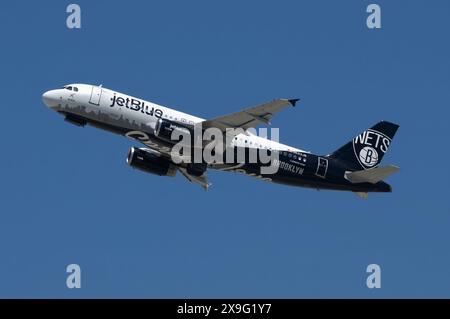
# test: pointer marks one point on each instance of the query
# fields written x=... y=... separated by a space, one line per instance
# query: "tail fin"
x=367 y=149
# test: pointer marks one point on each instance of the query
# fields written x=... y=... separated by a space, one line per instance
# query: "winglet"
x=293 y=101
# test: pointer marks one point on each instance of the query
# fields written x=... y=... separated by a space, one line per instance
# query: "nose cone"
x=50 y=98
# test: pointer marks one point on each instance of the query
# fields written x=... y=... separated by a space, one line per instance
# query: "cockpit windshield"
x=70 y=88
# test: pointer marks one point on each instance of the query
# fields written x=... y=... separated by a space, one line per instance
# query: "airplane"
x=352 y=167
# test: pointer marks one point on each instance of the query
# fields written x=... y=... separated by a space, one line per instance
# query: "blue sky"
x=67 y=195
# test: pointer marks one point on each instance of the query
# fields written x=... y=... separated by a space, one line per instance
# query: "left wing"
x=250 y=117
x=201 y=180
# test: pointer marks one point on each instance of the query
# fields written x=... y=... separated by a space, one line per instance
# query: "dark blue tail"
x=367 y=149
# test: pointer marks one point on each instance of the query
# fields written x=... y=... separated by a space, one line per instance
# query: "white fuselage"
x=134 y=117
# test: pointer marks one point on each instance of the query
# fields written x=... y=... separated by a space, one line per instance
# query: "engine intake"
x=150 y=162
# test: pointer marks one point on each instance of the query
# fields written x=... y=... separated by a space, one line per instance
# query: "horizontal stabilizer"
x=373 y=175
x=362 y=195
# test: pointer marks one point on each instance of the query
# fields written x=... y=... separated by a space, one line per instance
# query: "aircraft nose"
x=50 y=98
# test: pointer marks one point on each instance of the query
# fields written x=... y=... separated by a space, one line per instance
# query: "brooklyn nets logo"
x=370 y=147
x=368 y=156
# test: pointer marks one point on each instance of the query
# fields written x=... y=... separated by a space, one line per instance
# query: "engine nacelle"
x=165 y=128
x=151 y=162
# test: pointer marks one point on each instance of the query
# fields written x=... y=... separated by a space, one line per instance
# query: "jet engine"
x=151 y=162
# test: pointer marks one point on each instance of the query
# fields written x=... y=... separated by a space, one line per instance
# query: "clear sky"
x=67 y=195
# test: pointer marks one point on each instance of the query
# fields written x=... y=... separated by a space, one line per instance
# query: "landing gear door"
x=96 y=94
x=322 y=167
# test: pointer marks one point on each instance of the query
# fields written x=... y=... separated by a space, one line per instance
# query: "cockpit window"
x=70 y=88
